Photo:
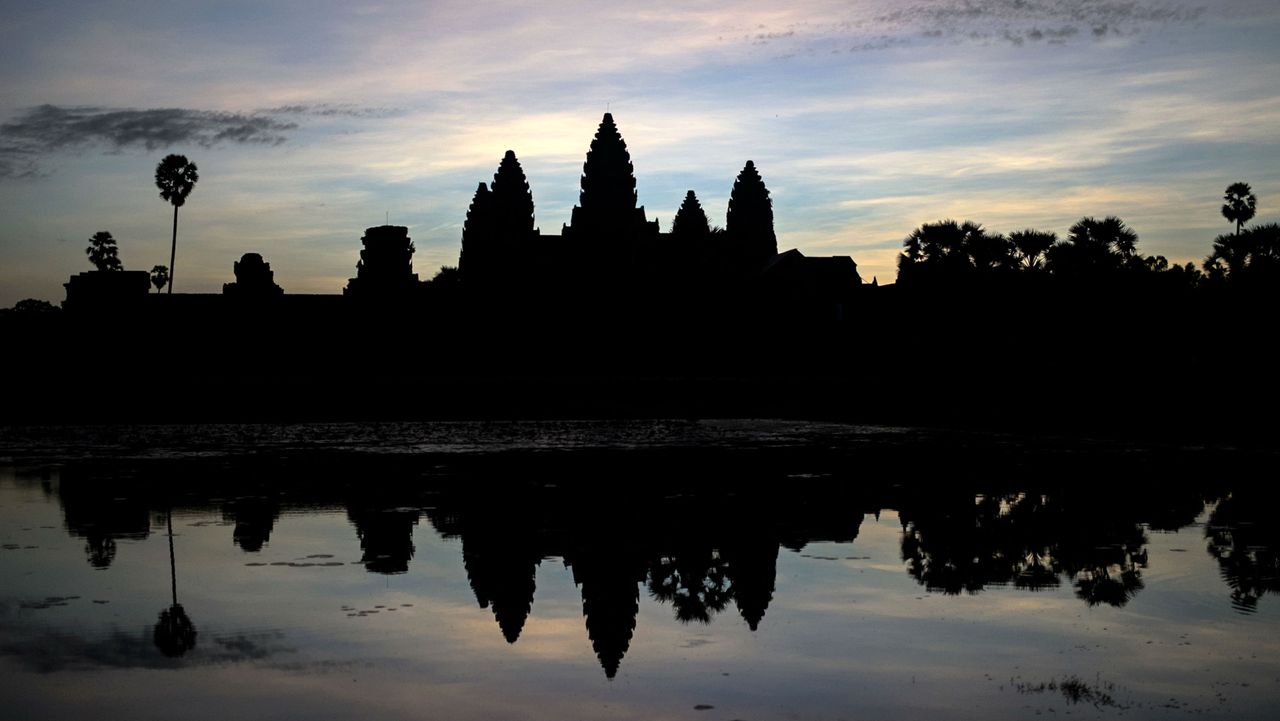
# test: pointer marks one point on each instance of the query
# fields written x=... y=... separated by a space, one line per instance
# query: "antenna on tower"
x=388 y=217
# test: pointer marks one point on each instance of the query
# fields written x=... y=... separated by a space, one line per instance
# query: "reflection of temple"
x=696 y=549
x=610 y=576
x=752 y=569
x=501 y=565
x=101 y=514
x=254 y=517
x=386 y=534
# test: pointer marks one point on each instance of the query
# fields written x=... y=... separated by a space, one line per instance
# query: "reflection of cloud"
x=46 y=650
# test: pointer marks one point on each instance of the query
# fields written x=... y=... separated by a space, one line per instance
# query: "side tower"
x=499 y=232
x=385 y=268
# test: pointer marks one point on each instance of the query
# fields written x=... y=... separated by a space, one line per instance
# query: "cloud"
x=1017 y=22
x=50 y=128
x=330 y=110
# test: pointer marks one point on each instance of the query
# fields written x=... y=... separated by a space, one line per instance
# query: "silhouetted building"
x=499 y=237
x=106 y=291
x=749 y=221
x=610 y=261
x=799 y=287
x=611 y=251
x=385 y=268
x=606 y=212
x=254 y=279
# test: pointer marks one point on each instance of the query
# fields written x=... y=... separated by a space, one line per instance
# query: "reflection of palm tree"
x=695 y=581
x=174 y=634
x=1246 y=545
x=100 y=549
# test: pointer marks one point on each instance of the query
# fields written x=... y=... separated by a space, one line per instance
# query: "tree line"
x=1094 y=251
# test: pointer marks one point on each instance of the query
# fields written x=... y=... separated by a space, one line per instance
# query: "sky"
x=312 y=120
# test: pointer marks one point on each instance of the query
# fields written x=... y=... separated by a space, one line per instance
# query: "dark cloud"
x=330 y=110
x=1081 y=12
x=1017 y=22
x=51 y=128
x=1021 y=21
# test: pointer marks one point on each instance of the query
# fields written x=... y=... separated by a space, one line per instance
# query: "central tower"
x=606 y=209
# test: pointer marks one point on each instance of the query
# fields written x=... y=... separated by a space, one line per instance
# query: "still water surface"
x=712 y=570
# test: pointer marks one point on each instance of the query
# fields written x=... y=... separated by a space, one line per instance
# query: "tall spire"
x=608 y=178
x=477 y=233
x=512 y=200
x=498 y=226
x=749 y=221
x=607 y=204
x=691 y=219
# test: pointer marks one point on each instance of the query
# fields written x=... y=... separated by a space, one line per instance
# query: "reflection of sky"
x=847 y=631
x=866 y=118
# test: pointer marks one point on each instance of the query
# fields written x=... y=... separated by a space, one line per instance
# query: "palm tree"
x=1031 y=246
x=1240 y=206
x=103 y=252
x=1094 y=246
x=159 y=277
x=175 y=177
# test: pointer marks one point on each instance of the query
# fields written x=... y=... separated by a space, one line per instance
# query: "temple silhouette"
x=610 y=260
x=613 y=317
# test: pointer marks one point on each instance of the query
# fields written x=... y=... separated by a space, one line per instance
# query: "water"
x=712 y=570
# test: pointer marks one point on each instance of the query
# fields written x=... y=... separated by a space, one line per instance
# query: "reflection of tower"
x=255 y=517
x=501 y=571
x=753 y=569
x=610 y=602
x=386 y=536
x=98 y=511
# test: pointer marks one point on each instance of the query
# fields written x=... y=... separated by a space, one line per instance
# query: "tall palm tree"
x=1240 y=204
x=175 y=177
